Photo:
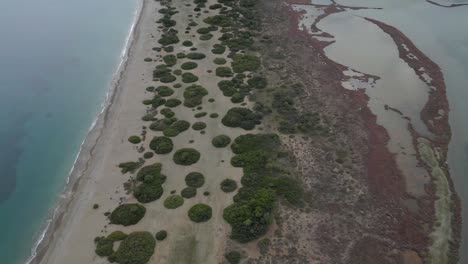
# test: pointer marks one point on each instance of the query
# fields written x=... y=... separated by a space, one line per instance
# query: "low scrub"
x=127 y=214
x=193 y=95
x=200 y=213
x=173 y=201
x=161 y=145
x=137 y=248
x=186 y=156
x=221 y=141
x=195 y=179
x=241 y=117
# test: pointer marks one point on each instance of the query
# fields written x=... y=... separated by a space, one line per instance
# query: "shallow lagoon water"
x=57 y=59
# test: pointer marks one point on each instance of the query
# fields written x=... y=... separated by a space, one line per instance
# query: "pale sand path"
x=187 y=242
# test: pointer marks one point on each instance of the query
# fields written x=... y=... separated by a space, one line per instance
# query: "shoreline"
x=80 y=165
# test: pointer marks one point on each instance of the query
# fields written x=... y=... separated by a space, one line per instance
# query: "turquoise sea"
x=57 y=60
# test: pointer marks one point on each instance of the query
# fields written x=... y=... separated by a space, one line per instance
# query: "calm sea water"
x=57 y=59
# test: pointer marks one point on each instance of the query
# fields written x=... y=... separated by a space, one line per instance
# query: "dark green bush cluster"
x=190 y=65
x=203 y=30
x=162 y=124
x=168 y=38
x=188 y=192
x=228 y=185
x=130 y=166
x=244 y=62
x=148 y=155
x=235 y=88
x=173 y=102
x=193 y=95
x=224 y=72
x=136 y=248
x=164 y=74
x=117 y=236
x=188 y=77
x=173 y=201
x=239 y=40
x=166 y=20
x=167 y=112
x=127 y=214
x=170 y=60
x=186 y=156
x=176 y=128
x=221 y=141
x=205 y=37
x=164 y=91
x=187 y=43
x=161 y=235
x=150 y=179
x=195 y=56
x=220 y=61
x=195 y=179
x=200 y=213
x=104 y=246
x=201 y=114
x=199 y=125
x=241 y=117
x=233 y=257
x=219 y=20
x=161 y=145
x=257 y=82
x=134 y=139
x=263 y=181
x=218 y=49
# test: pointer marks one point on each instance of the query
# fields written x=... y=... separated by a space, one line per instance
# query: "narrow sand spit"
x=102 y=183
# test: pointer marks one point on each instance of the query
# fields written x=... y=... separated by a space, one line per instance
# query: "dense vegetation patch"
x=117 y=236
x=228 y=185
x=176 y=128
x=190 y=65
x=186 y=156
x=164 y=91
x=134 y=139
x=169 y=38
x=265 y=179
x=195 y=56
x=127 y=214
x=161 y=145
x=161 y=235
x=200 y=213
x=148 y=155
x=129 y=166
x=187 y=43
x=224 y=72
x=219 y=61
x=241 y=117
x=257 y=82
x=188 y=192
x=170 y=60
x=195 y=179
x=205 y=37
x=201 y=114
x=173 y=102
x=233 y=257
x=188 y=77
x=193 y=95
x=221 y=141
x=218 y=49
x=173 y=201
x=149 y=189
x=243 y=62
x=104 y=246
x=136 y=248
x=199 y=125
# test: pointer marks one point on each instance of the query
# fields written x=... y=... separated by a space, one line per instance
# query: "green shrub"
x=173 y=201
x=168 y=38
x=188 y=77
x=257 y=82
x=161 y=145
x=160 y=71
x=244 y=62
x=148 y=155
x=199 y=125
x=200 y=213
x=177 y=85
x=181 y=55
x=190 y=65
x=176 y=128
x=104 y=247
x=153 y=169
x=117 y=236
x=127 y=214
x=219 y=20
x=173 y=102
x=137 y=248
x=177 y=72
x=134 y=139
x=167 y=112
x=215 y=6
x=193 y=95
x=129 y=166
x=188 y=192
x=218 y=49
x=221 y=141
x=205 y=37
x=148 y=59
x=223 y=72
x=164 y=91
x=168 y=78
x=161 y=235
x=219 y=61
x=150 y=88
x=228 y=185
x=195 y=179
x=168 y=49
x=237 y=98
x=187 y=43
x=214 y=115
x=203 y=30
x=170 y=60
x=241 y=117
x=233 y=257
x=195 y=56
x=146 y=193
x=201 y=114
x=186 y=156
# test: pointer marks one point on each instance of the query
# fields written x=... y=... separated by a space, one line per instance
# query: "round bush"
x=195 y=56
x=137 y=248
x=173 y=102
x=203 y=30
x=134 y=139
x=164 y=91
x=188 y=192
x=173 y=201
x=190 y=65
x=104 y=246
x=161 y=145
x=161 y=235
x=146 y=193
x=201 y=114
x=220 y=61
x=170 y=59
x=116 y=236
x=223 y=72
x=195 y=179
x=177 y=72
x=187 y=43
x=188 y=77
x=228 y=185
x=200 y=213
x=127 y=214
x=167 y=78
x=148 y=155
x=233 y=257
x=207 y=36
x=221 y=141
x=214 y=115
x=186 y=156
x=199 y=125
